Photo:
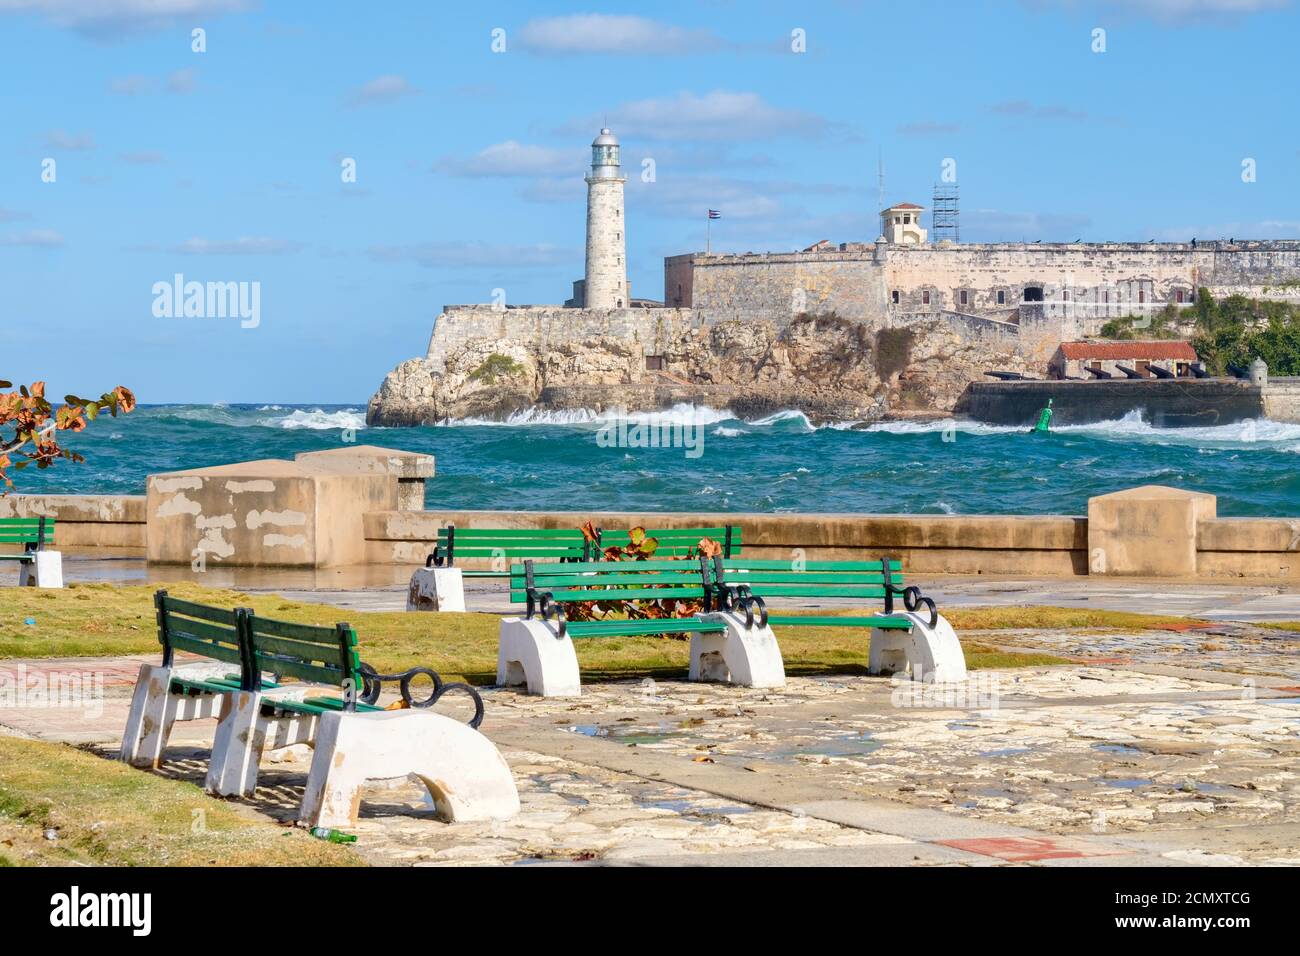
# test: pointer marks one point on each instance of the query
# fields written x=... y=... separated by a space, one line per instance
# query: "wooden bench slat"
x=554 y=533
x=299 y=650
x=217 y=652
x=641 y=628
x=616 y=578
x=814 y=620
x=217 y=615
x=203 y=630
x=740 y=564
x=808 y=577
x=316 y=674
x=306 y=633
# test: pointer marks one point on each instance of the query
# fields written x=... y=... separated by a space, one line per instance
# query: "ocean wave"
x=319 y=420
x=681 y=414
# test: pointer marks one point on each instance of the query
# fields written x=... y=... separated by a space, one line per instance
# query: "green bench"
x=439 y=585
x=638 y=599
x=331 y=690
x=39 y=565
x=915 y=639
x=500 y=544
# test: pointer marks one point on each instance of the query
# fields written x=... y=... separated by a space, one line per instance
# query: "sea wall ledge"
x=1150 y=531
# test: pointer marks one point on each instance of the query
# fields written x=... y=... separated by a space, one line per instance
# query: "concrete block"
x=45 y=570
x=1148 y=531
x=436 y=589
x=154 y=709
x=929 y=654
x=531 y=653
x=749 y=657
x=464 y=772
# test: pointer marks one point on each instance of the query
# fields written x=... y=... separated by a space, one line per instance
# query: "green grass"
x=103 y=620
x=108 y=814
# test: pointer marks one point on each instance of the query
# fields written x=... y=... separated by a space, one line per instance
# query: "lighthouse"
x=606 y=280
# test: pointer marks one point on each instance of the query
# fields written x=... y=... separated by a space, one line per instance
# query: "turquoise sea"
x=777 y=464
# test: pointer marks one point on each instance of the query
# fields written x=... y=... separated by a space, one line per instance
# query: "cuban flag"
x=714 y=214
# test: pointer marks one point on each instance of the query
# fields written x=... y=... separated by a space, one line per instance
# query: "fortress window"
x=894 y=295
x=653 y=363
x=1178 y=295
x=925 y=297
x=965 y=298
x=1105 y=297
x=1065 y=295
x=1002 y=297
x=1142 y=296
x=1033 y=293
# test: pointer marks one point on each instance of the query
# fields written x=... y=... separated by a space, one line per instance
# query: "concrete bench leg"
x=244 y=734
x=45 y=570
x=930 y=654
x=466 y=775
x=749 y=657
x=528 y=652
x=154 y=709
x=436 y=589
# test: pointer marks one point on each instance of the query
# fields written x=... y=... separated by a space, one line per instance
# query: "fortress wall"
x=649 y=329
x=778 y=286
x=1104 y=280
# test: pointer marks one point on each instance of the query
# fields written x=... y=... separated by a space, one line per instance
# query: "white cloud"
x=612 y=33
x=927 y=128
x=108 y=18
x=12 y=215
x=998 y=225
x=1176 y=11
x=37 y=237
x=382 y=89
x=717 y=115
x=477 y=255
x=243 y=246
x=147 y=157
x=1027 y=110
x=181 y=81
x=58 y=139
x=513 y=158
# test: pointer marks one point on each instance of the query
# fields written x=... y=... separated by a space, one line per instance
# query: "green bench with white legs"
x=38 y=565
x=914 y=638
x=623 y=599
x=439 y=585
x=327 y=702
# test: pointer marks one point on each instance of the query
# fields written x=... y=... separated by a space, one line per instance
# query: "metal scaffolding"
x=945 y=213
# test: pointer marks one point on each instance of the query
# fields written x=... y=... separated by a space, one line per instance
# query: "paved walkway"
x=1126 y=758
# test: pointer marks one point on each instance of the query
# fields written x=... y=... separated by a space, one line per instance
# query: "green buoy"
x=1044 y=420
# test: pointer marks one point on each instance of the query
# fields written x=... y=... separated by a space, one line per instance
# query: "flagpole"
x=708 y=233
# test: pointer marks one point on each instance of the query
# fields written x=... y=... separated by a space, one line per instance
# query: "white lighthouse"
x=606 y=281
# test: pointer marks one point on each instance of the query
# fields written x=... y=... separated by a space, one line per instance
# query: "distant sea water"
x=781 y=463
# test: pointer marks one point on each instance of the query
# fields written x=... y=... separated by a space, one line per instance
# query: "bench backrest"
x=31 y=533
x=556 y=544
x=212 y=632
x=313 y=653
x=613 y=581
x=850 y=579
x=678 y=542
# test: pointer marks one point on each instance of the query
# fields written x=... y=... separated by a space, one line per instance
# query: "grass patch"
x=94 y=620
x=1043 y=618
x=109 y=814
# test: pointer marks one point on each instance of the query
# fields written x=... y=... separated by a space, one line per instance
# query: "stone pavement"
x=1136 y=761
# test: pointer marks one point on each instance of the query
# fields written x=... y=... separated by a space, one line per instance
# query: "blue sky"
x=225 y=165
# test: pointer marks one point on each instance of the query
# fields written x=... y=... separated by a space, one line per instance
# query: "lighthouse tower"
x=606 y=281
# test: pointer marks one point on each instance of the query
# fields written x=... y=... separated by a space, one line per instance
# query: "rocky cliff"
x=832 y=369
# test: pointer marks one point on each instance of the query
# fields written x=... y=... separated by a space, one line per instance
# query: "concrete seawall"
x=1164 y=403
x=1150 y=531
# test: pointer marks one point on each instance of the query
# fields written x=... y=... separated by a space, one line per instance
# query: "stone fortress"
x=855 y=330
